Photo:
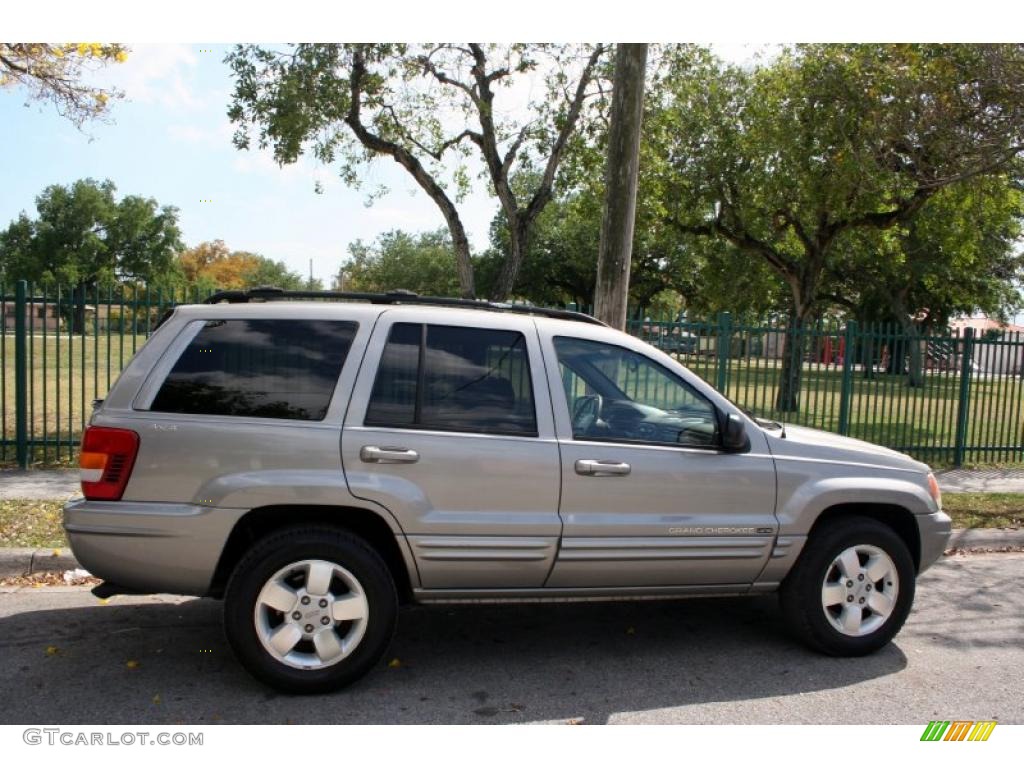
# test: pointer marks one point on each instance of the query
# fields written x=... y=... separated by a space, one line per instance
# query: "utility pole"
x=612 y=292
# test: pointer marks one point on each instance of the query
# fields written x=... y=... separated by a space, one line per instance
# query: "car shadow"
x=139 y=660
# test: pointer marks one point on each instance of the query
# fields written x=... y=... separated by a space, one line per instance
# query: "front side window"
x=277 y=369
x=616 y=394
x=452 y=378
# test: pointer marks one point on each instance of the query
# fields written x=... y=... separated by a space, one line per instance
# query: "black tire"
x=281 y=549
x=801 y=591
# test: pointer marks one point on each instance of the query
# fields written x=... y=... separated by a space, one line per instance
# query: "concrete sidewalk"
x=981 y=480
x=63 y=483
x=39 y=484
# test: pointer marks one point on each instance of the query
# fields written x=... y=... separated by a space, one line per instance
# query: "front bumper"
x=149 y=547
x=935 y=530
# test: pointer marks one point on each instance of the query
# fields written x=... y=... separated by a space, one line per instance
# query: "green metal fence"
x=945 y=398
x=62 y=348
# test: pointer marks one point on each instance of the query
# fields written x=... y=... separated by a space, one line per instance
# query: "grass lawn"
x=985 y=510
x=32 y=523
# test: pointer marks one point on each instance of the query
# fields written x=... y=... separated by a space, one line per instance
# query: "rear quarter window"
x=277 y=369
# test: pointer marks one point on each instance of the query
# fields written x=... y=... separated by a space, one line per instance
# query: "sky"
x=170 y=139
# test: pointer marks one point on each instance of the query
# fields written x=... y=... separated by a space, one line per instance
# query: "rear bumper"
x=935 y=530
x=149 y=547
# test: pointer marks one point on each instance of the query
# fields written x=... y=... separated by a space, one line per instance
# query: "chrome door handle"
x=373 y=454
x=594 y=467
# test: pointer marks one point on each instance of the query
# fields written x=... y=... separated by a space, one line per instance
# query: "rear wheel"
x=310 y=610
x=852 y=588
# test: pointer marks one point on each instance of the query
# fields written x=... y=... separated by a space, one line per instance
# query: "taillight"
x=106 y=461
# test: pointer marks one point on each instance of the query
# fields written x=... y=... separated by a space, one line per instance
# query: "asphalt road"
x=64 y=658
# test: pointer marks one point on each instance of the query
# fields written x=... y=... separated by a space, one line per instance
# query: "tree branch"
x=543 y=192
x=407 y=160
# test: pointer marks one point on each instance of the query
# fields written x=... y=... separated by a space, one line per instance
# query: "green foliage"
x=82 y=234
x=423 y=263
x=958 y=255
x=784 y=159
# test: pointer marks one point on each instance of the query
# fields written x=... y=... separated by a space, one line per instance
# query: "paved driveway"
x=961 y=656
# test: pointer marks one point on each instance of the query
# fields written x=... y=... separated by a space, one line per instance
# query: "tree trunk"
x=915 y=370
x=787 y=400
x=506 y=283
x=867 y=353
x=463 y=259
x=621 y=173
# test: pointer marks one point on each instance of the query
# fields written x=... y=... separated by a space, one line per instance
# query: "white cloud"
x=195 y=133
x=157 y=74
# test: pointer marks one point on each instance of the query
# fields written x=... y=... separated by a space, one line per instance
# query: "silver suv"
x=317 y=463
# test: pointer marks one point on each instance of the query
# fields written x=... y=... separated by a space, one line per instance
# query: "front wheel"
x=310 y=610
x=852 y=588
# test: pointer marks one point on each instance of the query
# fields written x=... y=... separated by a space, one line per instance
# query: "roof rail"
x=271 y=293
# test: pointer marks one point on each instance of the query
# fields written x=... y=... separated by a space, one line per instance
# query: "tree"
x=57 y=73
x=958 y=255
x=83 y=235
x=422 y=106
x=213 y=266
x=423 y=263
x=621 y=173
x=785 y=159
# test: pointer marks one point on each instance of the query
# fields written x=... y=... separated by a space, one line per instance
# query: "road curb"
x=23 y=561
x=985 y=538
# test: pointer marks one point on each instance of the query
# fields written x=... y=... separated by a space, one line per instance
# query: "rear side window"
x=277 y=369
x=452 y=378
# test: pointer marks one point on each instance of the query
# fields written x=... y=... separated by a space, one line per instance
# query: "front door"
x=450 y=429
x=648 y=496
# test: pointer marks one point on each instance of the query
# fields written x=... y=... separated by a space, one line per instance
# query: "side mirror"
x=734 y=436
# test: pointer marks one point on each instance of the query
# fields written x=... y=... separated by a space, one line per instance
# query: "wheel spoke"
x=849 y=563
x=880 y=603
x=278 y=596
x=285 y=637
x=851 y=619
x=318 y=582
x=328 y=646
x=349 y=608
x=877 y=568
x=833 y=594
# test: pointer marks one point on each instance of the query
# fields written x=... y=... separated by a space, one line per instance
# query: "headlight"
x=934 y=491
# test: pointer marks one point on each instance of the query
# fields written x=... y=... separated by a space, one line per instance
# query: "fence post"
x=964 y=400
x=846 y=393
x=723 y=345
x=20 y=376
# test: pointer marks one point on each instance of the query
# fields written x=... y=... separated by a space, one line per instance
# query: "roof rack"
x=271 y=293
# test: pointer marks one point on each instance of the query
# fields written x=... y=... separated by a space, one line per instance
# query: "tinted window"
x=278 y=369
x=616 y=394
x=454 y=379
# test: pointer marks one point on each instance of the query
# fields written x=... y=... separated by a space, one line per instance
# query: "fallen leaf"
x=395 y=663
x=156 y=699
x=630 y=631
x=56 y=553
x=52 y=650
x=132 y=664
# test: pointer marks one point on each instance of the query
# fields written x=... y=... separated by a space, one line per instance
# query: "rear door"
x=450 y=428
x=649 y=498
